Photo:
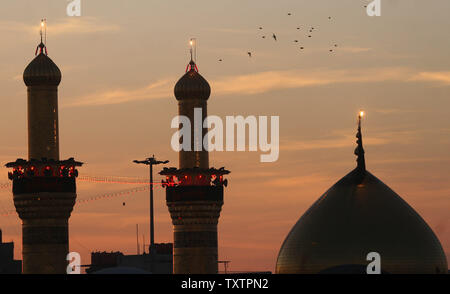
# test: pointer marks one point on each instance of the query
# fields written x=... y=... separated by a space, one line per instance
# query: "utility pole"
x=150 y=162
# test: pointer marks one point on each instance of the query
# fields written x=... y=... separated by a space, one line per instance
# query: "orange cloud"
x=342 y=139
x=72 y=25
x=262 y=82
x=440 y=76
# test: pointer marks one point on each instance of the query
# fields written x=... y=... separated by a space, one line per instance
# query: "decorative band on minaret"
x=44 y=187
x=194 y=192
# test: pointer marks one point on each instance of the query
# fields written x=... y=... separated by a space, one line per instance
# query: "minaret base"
x=45 y=246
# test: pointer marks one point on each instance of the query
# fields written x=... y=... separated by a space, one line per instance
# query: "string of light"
x=114 y=180
x=113 y=194
x=100 y=179
x=102 y=196
x=5 y=185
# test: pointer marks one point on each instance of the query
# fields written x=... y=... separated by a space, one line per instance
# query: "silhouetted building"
x=44 y=186
x=102 y=260
x=157 y=261
x=194 y=192
x=356 y=216
x=7 y=263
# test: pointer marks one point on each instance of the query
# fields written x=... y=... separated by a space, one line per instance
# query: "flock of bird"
x=310 y=31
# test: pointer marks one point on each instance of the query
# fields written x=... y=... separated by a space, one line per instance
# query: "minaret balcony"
x=35 y=176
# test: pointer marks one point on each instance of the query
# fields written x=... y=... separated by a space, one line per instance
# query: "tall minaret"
x=44 y=187
x=194 y=192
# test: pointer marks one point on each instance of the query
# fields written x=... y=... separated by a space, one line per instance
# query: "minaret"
x=194 y=192
x=44 y=187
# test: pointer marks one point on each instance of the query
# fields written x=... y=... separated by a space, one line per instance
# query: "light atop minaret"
x=42 y=71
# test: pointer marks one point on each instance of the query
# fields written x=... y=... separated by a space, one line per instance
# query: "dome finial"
x=42 y=48
x=193 y=51
x=359 y=151
x=191 y=42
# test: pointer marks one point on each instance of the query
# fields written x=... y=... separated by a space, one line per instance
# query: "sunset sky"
x=121 y=59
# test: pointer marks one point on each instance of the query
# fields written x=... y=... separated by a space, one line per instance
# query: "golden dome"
x=358 y=215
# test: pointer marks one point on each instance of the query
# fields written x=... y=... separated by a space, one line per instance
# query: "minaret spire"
x=193 y=51
x=191 y=42
x=42 y=48
x=359 y=151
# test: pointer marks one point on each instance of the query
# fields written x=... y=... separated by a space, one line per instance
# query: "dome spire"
x=359 y=151
x=42 y=48
x=193 y=51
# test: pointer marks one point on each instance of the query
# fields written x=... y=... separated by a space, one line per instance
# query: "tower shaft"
x=190 y=159
x=43 y=137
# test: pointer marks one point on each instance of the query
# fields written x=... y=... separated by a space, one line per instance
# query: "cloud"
x=342 y=139
x=156 y=90
x=72 y=25
x=354 y=49
x=289 y=79
x=296 y=181
x=262 y=82
x=388 y=111
x=81 y=25
x=442 y=77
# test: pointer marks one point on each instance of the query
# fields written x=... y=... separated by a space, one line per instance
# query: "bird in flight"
x=274 y=37
x=249 y=54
